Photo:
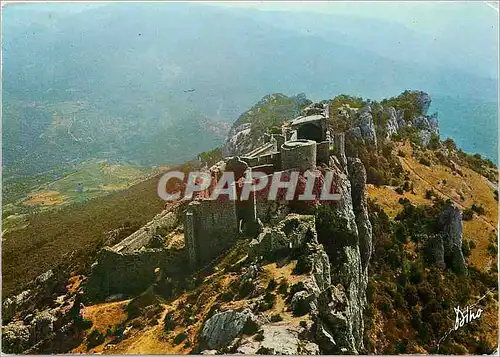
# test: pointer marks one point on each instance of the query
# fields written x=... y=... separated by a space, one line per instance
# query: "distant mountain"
x=115 y=81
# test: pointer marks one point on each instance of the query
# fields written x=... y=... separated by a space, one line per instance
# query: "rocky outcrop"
x=278 y=339
x=15 y=338
x=222 y=328
x=339 y=149
x=391 y=125
x=364 y=128
x=349 y=255
x=291 y=233
x=349 y=273
x=43 y=324
x=394 y=122
x=434 y=249
x=355 y=133
x=365 y=123
x=344 y=207
x=433 y=123
x=427 y=126
x=18 y=336
x=320 y=266
x=450 y=224
x=26 y=302
x=239 y=140
x=332 y=327
x=423 y=100
x=357 y=177
x=8 y=309
x=337 y=311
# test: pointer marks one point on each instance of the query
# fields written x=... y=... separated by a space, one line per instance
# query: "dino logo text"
x=466 y=316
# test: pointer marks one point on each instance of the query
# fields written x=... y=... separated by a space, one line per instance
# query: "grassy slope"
x=189 y=310
x=81 y=228
x=474 y=188
x=59 y=187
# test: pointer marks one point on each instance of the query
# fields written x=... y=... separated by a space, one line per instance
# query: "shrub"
x=259 y=336
x=434 y=141
x=272 y=285
x=268 y=302
x=397 y=137
x=492 y=248
x=450 y=144
x=283 y=287
x=386 y=306
x=84 y=324
x=429 y=194
x=276 y=318
x=303 y=266
x=168 y=321
x=95 y=338
x=227 y=296
x=467 y=214
x=424 y=161
x=138 y=323
x=478 y=209
x=399 y=190
x=403 y=201
x=467 y=246
x=411 y=295
x=119 y=330
x=180 y=337
x=270 y=298
x=295 y=288
x=302 y=307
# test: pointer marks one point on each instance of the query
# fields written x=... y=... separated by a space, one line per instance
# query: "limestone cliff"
x=450 y=222
x=350 y=259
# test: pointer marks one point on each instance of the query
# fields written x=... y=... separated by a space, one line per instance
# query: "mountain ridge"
x=134 y=74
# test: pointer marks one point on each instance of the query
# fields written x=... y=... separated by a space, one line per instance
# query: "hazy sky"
x=417 y=15
x=467 y=30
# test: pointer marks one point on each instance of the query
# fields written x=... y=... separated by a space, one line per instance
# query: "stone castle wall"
x=323 y=152
x=166 y=220
x=211 y=227
x=131 y=273
x=128 y=266
x=299 y=154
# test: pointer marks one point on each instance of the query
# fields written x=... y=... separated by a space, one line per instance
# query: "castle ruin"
x=211 y=227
